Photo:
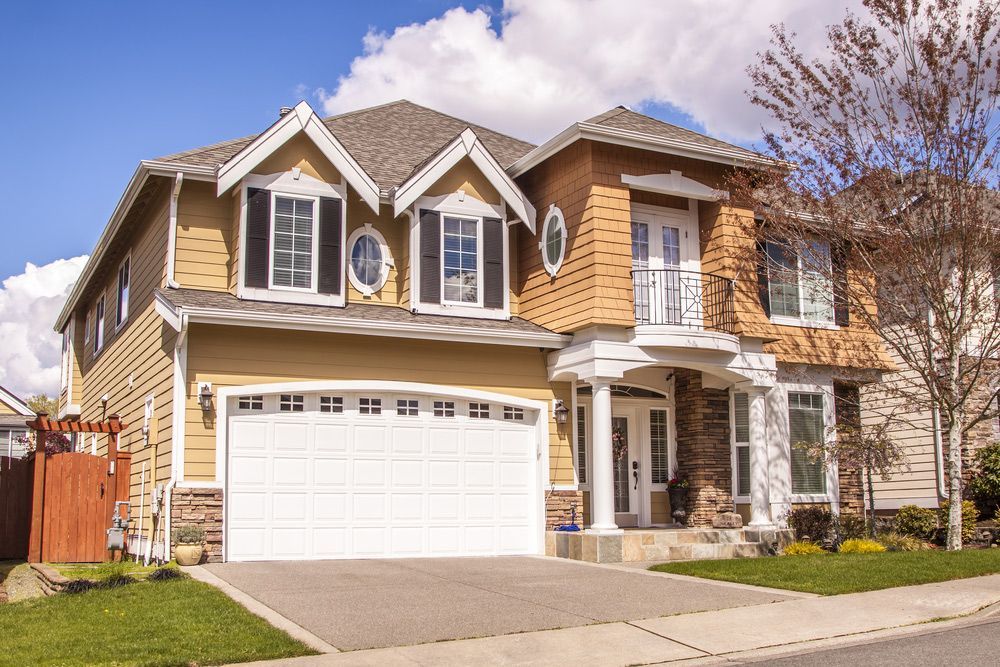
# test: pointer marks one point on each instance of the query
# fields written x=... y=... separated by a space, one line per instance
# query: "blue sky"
x=92 y=88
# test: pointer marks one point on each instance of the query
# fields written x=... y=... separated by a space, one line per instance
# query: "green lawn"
x=834 y=573
x=176 y=622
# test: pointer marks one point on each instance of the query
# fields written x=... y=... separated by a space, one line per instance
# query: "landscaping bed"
x=836 y=573
x=173 y=622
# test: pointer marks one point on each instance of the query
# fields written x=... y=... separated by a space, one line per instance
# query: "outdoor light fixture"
x=560 y=411
x=205 y=396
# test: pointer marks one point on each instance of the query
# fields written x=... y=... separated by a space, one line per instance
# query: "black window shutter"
x=256 y=251
x=330 y=266
x=838 y=258
x=493 y=263
x=763 y=284
x=430 y=257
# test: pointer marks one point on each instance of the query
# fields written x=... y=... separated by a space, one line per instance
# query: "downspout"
x=172 y=230
x=177 y=431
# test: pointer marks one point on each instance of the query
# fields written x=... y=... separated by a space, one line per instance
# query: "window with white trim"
x=331 y=404
x=407 y=407
x=741 y=442
x=293 y=240
x=251 y=403
x=479 y=410
x=460 y=267
x=513 y=414
x=292 y=403
x=444 y=408
x=124 y=281
x=799 y=282
x=370 y=406
x=806 y=424
x=581 y=444
x=86 y=328
x=369 y=259
x=13 y=442
x=659 y=467
x=553 y=242
x=99 y=325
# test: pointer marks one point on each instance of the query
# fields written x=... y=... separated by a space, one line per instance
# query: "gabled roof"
x=389 y=141
x=15 y=403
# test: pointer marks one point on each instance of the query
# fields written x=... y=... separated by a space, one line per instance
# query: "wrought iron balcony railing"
x=701 y=301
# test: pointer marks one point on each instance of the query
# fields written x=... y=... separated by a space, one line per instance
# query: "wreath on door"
x=619 y=444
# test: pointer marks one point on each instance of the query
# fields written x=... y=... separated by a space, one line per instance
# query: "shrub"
x=898 y=542
x=850 y=527
x=802 y=549
x=970 y=515
x=116 y=580
x=165 y=573
x=916 y=521
x=80 y=586
x=861 y=547
x=811 y=523
x=189 y=534
x=985 y=483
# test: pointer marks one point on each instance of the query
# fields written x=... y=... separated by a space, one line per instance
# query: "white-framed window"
x=99 y=325
x=444 y=408
x=331 y=404
x=368 y=260
x=65 y=367
x=251 y=402
x=86 y=328
x=407 y=407
x=799 y=283
x=461 y=260
x=806 y=424
x=581 y=444
x=292 y=403
x=370 y=406
x=513 y=414
x=741 y=446
x=479 y=410
x=659 y=463
x=13 y=442
x=553 y=241
x=294 y=242
x=124 y=281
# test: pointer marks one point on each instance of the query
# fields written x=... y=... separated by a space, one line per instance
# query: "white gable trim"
x=467 y=144
x=301 y=119
x=15 y=403
x=674 y=184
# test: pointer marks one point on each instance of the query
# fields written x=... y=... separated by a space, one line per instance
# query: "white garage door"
x=341 y=475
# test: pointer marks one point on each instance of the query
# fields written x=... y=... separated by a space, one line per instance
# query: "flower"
x=677 y=483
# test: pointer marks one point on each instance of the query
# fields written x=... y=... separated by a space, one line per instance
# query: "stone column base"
x=202 y=507
x=559 y=506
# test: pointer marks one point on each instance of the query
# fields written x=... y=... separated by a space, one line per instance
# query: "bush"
x=165 y=573
x=114 y=581
x=898 y=542
x=850 y=527
x=189 y=534
x=811 y=523
x=861 y=547
x=916 y=521
x=80 y=586
x=970 y=515
x=802 y=549
x=985 y=483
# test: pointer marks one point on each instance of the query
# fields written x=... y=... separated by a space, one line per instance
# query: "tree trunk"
x=954 y=484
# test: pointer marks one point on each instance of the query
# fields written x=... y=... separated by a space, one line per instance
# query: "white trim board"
x=15 y=403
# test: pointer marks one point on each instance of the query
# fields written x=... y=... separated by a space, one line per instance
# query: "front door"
x=625 y=448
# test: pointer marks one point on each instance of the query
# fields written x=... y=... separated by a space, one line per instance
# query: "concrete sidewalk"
x=702 y=635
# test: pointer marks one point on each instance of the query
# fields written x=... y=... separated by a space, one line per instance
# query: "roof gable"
x=15 y=403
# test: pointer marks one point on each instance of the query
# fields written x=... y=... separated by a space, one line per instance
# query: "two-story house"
x=395 y=333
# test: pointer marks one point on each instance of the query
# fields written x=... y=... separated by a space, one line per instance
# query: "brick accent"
x=703 y=447
x=559 y=508
x=847 y=407
x=985 y=432
x=204 y=508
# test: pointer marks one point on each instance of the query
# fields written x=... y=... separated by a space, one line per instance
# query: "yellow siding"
x=204 y=238
x=232 y=356
x=6 y=409
x=465 y=175
x=396 y=233
x=301 y=152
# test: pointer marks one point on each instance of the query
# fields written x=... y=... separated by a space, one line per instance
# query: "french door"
x=665 y=279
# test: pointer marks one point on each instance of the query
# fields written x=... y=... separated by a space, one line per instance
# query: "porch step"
x=666 y=544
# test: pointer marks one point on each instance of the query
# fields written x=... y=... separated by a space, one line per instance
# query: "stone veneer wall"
x=847 y=407
x=204 y=508
x=703 y=447
x=559 y=508
x=985 y=432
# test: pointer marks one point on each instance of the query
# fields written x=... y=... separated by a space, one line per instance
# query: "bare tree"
x=888 y=209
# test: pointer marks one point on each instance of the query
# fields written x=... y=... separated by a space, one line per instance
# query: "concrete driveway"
x=358 y=604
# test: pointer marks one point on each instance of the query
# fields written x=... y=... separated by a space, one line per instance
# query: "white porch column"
x=602 y=501
x=760 y=486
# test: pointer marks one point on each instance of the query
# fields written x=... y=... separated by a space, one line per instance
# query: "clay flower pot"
x=188 y=554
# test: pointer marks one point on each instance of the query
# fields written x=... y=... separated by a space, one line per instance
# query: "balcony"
x=699 y=302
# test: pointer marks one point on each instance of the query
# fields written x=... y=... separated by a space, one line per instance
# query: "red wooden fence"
x=15 y=506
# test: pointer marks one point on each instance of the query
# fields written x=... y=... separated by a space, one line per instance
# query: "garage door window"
x=513 y=414
x=331 y=404
x=444 y=408
x=479 y=410
x=370 y=406
x=292 y=403
x=407 y=407
x=251 y=403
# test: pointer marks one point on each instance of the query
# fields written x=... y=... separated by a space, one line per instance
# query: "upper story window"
x=553 y=243
x=99 y=325
x=124 y=281
x=86 y=328
x=370 y=259
x=293 y=255
x=799 y=283
x=461 y=266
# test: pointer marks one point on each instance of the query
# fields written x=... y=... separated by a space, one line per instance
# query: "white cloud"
x=29 y=303
x=558 y=61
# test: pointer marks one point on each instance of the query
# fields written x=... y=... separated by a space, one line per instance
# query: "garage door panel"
x=407 y=506
x=291 y=437
x=248 y=470
x=289 y=471
x=443 y=506
x=406 y=541
x=479 y=474
x=480 y=507
x=480 y=539
x=329 y=472
x=289 y=543
x=407 y=440
x=329 y=542
x=289 y=506
x=480 y=442
x=443 y=474
x=248 y=436
x=369 y=439
x=369 y=507
x=516 y=475
x=407 y=473
x=442 y=540
x=369 y=541
x=331 y=437
x=369 y=472
x=247 y=543
x=330 y=506
x=443 y=441
x=515 y=539
x=247 y=506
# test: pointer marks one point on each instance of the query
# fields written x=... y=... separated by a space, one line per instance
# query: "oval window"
x=553 y=243
x=369 y=265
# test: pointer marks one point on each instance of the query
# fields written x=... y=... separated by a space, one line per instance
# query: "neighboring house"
x=13 y=432
x=395 y=333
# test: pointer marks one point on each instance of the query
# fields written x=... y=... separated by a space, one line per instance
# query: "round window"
x=553 y=243
x=369 y=267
